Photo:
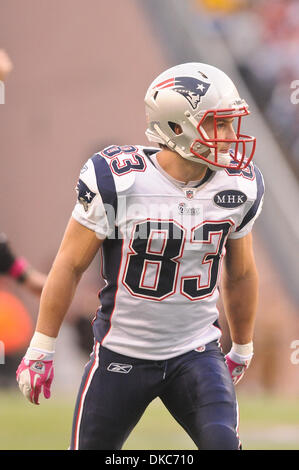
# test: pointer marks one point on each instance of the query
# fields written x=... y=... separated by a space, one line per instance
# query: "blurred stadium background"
x=80 y=73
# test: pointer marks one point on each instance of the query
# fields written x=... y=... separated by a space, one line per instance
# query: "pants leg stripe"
x=91 y=373
x=238 y=422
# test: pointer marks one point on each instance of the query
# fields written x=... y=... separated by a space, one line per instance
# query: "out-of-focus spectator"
x=264 y=39
x=225 y=6
x=15 y=321
x=19 y=269
x=5 y=65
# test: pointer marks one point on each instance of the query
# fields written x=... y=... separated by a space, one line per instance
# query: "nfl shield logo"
x=189 y=193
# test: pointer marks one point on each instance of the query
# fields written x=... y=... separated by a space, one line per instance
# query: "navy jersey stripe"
x=105 y=181
x=254 y=208
x=111 y=249
x=111 y=259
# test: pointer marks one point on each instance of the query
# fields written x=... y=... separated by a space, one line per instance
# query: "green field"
x=266 y=423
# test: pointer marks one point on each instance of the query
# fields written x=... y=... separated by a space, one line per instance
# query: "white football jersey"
x=163 y=249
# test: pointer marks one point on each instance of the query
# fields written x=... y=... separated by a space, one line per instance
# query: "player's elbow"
x=68 y=265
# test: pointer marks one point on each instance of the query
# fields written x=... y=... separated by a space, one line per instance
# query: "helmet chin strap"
x=224 y=159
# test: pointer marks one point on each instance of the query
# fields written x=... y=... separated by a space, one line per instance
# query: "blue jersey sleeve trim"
x=254 y=208
x=105 y=181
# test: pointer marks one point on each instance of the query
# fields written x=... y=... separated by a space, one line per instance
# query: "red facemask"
x=239 y=159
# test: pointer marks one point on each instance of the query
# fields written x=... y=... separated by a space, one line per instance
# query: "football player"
x=167 y=220
x=5 y=65
x=18 y=268
x=15 y=266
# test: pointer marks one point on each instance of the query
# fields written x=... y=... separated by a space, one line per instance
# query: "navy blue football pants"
x=196 y=388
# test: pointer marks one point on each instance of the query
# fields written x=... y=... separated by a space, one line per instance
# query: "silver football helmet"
x=186 y=95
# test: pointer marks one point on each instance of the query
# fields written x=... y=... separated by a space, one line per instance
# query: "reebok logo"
x=120 y=368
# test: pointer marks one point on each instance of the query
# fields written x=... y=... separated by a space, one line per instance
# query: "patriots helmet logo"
x=191 y=88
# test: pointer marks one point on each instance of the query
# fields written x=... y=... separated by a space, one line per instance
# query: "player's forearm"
x=56 y=297
x=240 y=298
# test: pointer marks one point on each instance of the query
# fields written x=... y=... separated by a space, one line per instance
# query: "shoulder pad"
x=88 y=177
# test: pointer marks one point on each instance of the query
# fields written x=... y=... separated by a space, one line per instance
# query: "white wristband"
x=43 y=342
x=241 y=353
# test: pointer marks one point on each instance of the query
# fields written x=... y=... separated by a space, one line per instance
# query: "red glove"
x=238 y=363
x=35 y=373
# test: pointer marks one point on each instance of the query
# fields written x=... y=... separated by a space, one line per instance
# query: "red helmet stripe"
x=166 y=83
